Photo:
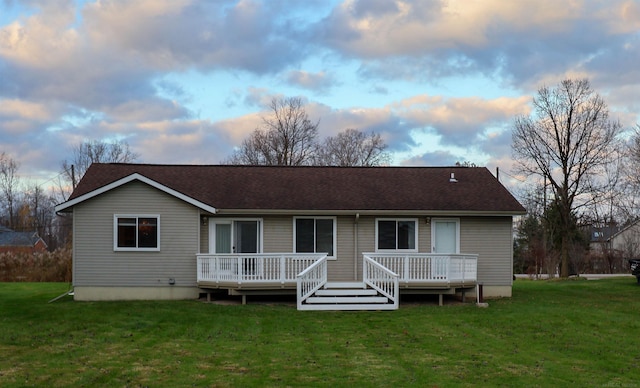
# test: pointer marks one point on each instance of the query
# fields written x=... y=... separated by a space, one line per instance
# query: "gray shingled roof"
x=10 y=238
x=320 y=188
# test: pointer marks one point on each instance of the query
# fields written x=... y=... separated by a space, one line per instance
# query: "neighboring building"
x=627 y=241
x=600 y=238
x=177 y=231
x=20 y=242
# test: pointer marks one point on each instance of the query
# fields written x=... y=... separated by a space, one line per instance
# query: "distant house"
x=339 y=237
x=627 y=241
x=20 y=242
x=600 y=238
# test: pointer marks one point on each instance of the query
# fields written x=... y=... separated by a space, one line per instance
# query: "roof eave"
x=376 y=212
x=67 y=206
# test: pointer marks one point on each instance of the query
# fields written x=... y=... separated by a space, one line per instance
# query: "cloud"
x=22 y=117
x=460 y=121
x=422 y=40
x=174 y=35
x=152 y=108
x=319 y=82
x=435 y=158
x=195 y=141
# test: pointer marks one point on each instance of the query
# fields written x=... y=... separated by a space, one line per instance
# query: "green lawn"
x=551 y=333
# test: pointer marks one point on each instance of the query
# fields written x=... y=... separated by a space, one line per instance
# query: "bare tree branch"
x=287 y=137
x=95 y=151
x=9 y=189
x=353 y=148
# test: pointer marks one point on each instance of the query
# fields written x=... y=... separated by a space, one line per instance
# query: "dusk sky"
x=186 y=81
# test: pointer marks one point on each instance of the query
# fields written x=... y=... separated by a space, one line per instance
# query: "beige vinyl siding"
x=96 y=263
x=278 y=234
x=342 y=268
x=204 y=234
x=366 y=240
x=490 y=238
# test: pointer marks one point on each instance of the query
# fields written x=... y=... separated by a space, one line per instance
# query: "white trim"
x=416 y=236
x=130 y=178
x=116 y=248
x=433 y=233
x=231 y=221
x=335 y=234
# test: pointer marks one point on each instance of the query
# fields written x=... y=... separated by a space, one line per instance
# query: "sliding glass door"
x=234 y=236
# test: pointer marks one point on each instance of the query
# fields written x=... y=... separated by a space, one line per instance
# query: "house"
x=350 y=235
x=600 y=237
x=627 y=241
x=20 y=242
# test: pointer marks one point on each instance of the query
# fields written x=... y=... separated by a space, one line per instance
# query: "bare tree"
x=632 y=176
x=36 y=213
x=353 y=148
x=287 y=137
x=567 y=141
x=9 y=186
x=95 y=151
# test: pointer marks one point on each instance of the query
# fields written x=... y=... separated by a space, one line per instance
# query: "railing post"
x=406 y=268
x=283 y=262
x=464 y=267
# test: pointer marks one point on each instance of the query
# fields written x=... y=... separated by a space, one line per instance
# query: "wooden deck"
x=384 y=277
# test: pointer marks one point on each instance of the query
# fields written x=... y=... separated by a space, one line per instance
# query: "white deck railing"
x=311 y=280
x=425 y=268
x=381 y=279
x=264 y=268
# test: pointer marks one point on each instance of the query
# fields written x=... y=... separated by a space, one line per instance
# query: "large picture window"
x=315 y=235
x=395 y=235
x=136 y=232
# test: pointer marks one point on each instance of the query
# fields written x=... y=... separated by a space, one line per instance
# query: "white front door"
x=445 y=235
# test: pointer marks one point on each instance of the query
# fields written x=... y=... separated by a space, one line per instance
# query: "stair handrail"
x=381 y=279
x=311 y=279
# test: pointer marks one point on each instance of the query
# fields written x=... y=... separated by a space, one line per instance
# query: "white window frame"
x=334 y=234
x=135 y=249
x=417 y=234
x=433 y=233
x=212 y=231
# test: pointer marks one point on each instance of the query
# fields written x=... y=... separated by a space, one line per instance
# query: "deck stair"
x=347 y=296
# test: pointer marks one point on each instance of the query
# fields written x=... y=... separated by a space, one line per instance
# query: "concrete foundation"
x=134 y=293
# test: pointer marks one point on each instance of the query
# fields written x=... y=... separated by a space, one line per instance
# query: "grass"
x=551 y=333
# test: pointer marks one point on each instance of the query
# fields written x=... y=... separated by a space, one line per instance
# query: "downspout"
x=355 y=247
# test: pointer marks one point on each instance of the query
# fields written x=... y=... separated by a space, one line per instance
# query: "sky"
x=185 y=81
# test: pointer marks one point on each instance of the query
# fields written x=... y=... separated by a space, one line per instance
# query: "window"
x=394 y=235
x=136 y=232
x=314 y=235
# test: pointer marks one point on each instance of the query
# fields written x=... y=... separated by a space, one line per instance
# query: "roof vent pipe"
x=453 y=178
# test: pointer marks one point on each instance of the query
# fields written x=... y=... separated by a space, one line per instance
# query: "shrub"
x=36 y=267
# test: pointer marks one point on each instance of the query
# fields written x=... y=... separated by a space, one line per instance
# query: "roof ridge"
x=282 y=166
